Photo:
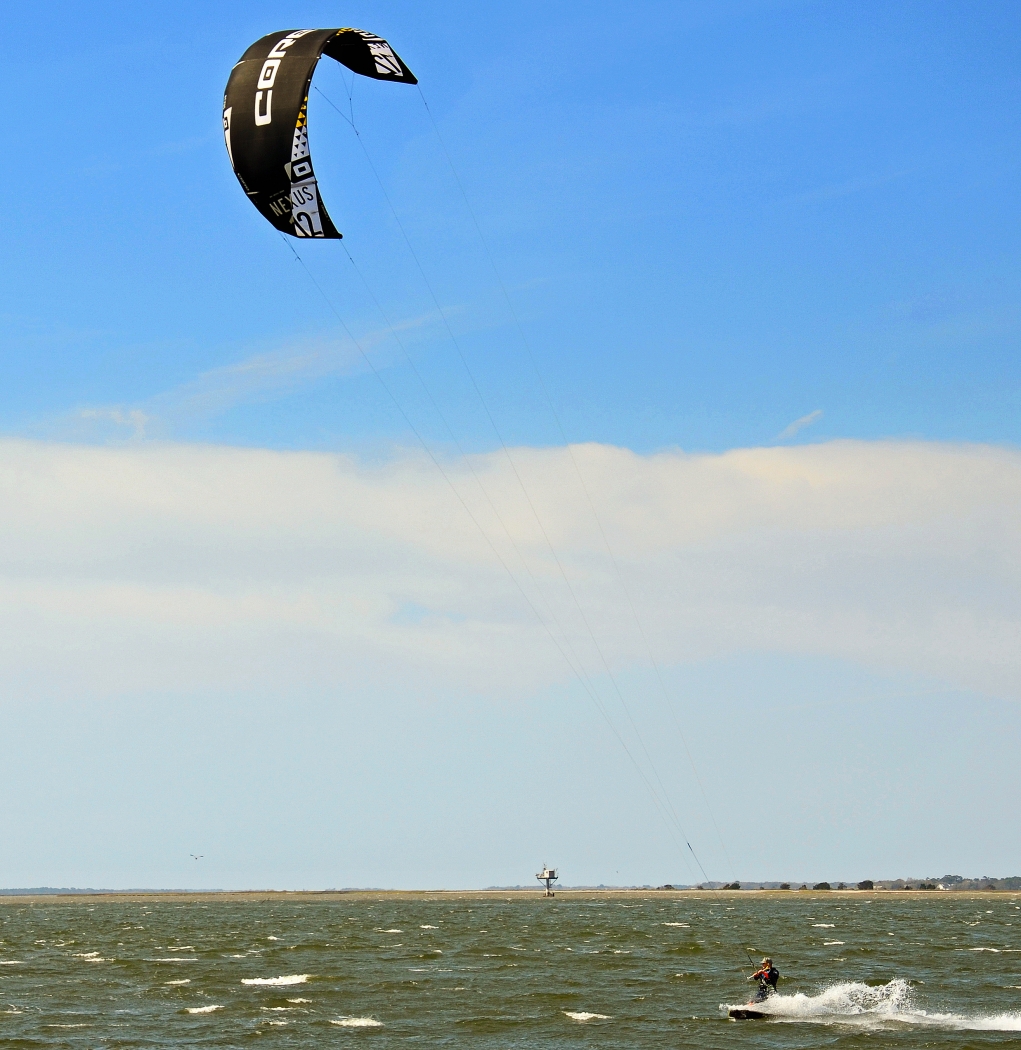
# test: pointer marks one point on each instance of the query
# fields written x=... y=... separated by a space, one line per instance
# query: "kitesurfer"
x=767 y=975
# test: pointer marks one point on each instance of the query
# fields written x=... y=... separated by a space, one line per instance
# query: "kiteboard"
x=749 y=1012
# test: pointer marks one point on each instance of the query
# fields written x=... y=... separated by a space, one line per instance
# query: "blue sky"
x=722 y=226
x=714 y=219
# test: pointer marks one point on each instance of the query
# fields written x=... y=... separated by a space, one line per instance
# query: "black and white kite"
x=265 y=116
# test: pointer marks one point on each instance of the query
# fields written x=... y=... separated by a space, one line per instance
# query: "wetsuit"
x=767 y=978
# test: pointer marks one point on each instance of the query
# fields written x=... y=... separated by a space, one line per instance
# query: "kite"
x=265 y=118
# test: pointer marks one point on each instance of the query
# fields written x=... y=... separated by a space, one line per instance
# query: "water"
x=509 y=970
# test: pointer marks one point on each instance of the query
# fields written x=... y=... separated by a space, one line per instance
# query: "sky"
x=642 y=468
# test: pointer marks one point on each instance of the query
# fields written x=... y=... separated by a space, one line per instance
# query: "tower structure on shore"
x=548 y=876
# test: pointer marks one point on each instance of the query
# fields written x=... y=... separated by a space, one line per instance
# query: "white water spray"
x=885 y=1006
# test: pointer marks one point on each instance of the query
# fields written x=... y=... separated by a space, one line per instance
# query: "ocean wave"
x=357 y=1022
x=203 y=1009
x=886 y=1006
x=294 y=978
x=584 y=1015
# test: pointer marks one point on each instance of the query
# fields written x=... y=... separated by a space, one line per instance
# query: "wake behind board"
x=751 y=1012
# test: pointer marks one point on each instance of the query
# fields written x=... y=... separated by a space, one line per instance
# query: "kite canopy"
x=265 y=113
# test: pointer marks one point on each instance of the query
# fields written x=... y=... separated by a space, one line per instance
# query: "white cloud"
x=155 y=568
x=799 y=424
x=135 y=419
x=260 y=377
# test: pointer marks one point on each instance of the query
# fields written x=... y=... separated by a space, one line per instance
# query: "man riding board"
x=767 y=975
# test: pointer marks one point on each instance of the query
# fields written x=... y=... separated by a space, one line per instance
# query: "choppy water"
x=646 y=971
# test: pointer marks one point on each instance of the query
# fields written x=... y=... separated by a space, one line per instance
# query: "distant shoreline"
x=211 y=896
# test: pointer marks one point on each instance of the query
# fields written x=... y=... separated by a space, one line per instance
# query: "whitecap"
x=272 y=938
x=294 y=978
x=11 y=962
x=682 y=924
x=203 y=1009
x=357 y=1022
x=584 y=1015
x=824 y=925
x=829 y=944
x=187 y=980
x=428 y=927
x=299 y=1000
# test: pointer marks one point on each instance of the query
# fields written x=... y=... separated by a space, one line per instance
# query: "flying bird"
x=198 y=856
